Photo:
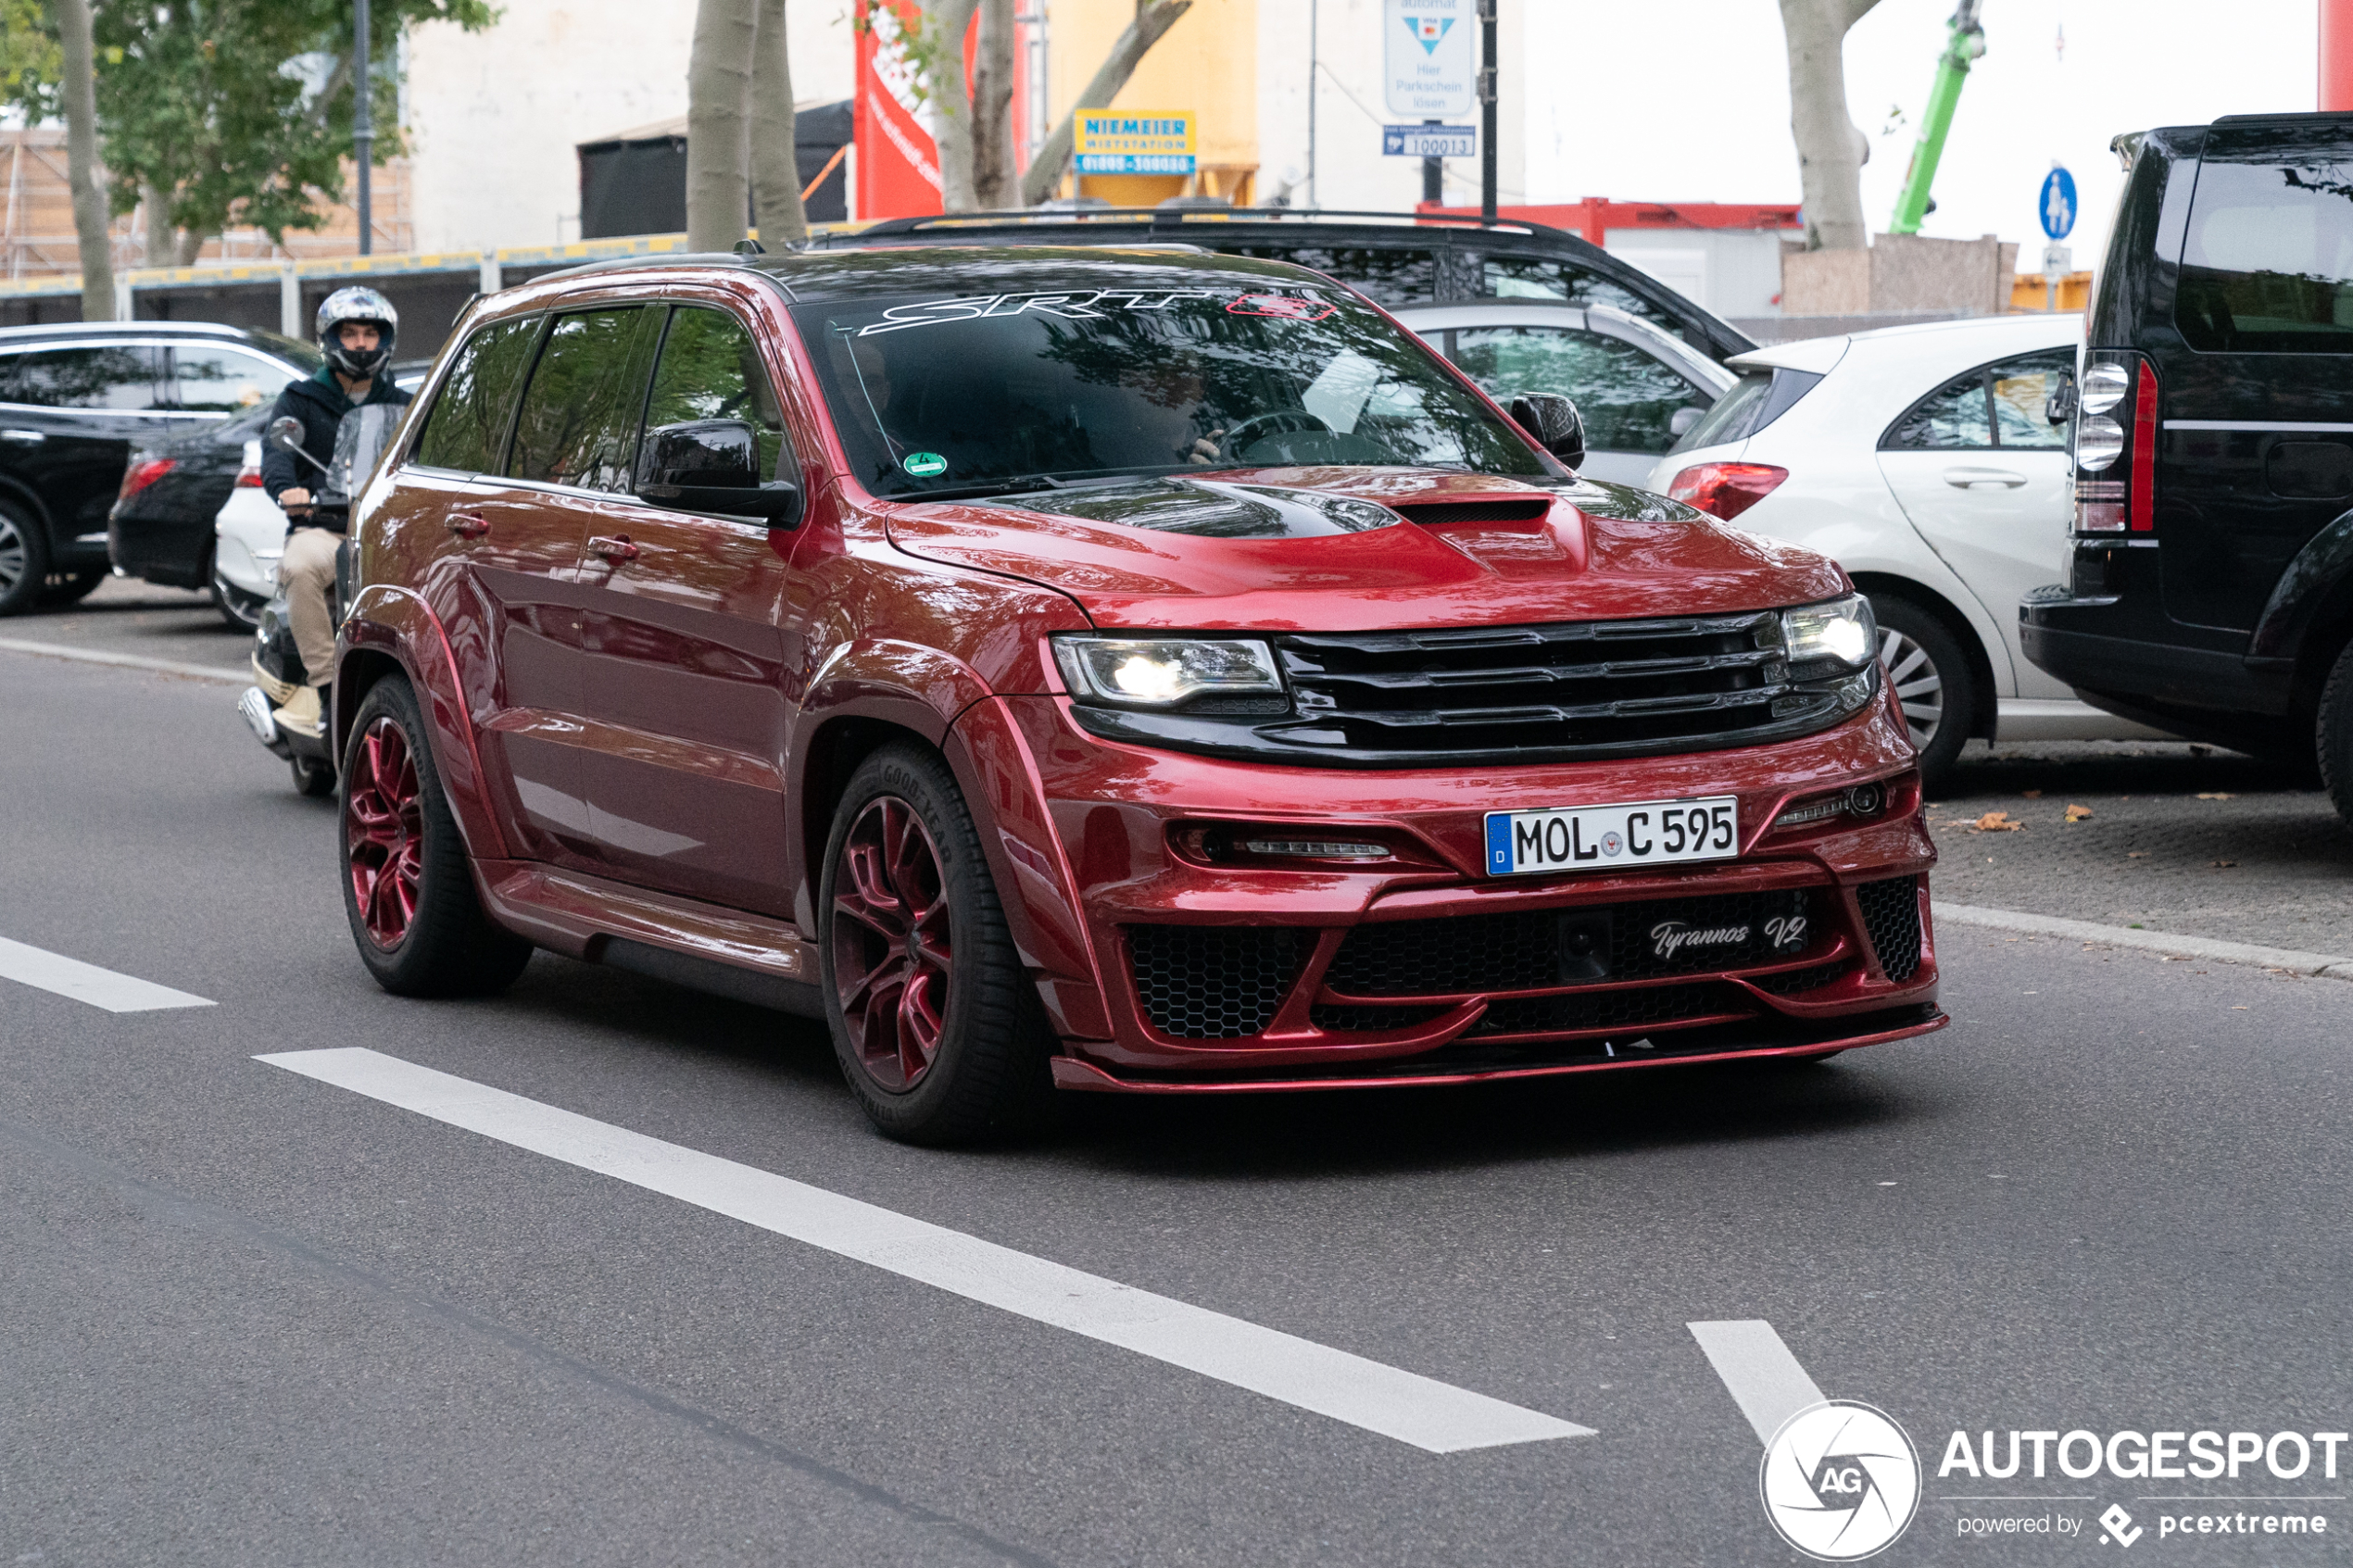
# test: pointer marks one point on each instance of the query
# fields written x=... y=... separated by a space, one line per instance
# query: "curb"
x=2330 y=966
x=127 y=661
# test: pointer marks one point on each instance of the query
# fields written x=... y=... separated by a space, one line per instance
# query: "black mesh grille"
x=1353 y=1018
x=1610 y=1009
x=1522 y=952
x=1623 y=684
x=1212 y=982
x=1439 y=514
x=1793 y=981
x=1891 y=919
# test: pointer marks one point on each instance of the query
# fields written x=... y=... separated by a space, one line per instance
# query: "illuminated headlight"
x=1841 y=630
x=2103 y=387
x=1164 y=672
x=2099 y=441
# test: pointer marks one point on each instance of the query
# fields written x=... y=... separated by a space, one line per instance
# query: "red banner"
x=898 y=165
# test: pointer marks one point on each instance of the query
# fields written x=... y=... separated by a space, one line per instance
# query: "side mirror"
x=1554 y=422
x=713 y=465
x=1679 y=422
x=2059 y=406
x=285 y=431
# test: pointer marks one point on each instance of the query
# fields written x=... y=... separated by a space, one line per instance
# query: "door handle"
x=465 y=525
x=1962 y=479
x=613 y=548
x=24 y=437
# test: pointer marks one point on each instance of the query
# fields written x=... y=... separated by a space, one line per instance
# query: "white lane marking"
x=1422 y=1411
x=1764 y=1378
x=2335 y=966
x=127 y=661
x=88 y=983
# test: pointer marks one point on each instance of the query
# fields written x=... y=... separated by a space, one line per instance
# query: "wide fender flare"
x=398 y=622
x=2322 y=568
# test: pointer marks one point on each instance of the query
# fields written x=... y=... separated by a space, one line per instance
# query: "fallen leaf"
x=2078 y=813
x=1997 y=821
x=2032 y=794
x=2217 y=795
x=2226 y=863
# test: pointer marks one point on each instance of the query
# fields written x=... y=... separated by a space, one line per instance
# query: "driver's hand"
x=1204 y=448
x=292 y=497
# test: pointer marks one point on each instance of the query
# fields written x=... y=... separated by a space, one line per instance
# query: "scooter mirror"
x=286 y=432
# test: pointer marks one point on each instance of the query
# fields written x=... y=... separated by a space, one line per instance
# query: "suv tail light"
x=140 y=474
x=1725 y=490
x=249 y=475
x=2116 y=418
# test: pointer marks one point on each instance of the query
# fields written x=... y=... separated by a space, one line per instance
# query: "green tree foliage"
x=215 y=103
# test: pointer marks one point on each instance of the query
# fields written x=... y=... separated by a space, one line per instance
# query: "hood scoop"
x=1213 y=510
x=1500 y=508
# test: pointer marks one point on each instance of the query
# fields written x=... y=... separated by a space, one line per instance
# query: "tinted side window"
x=1627 y=397
x=1955 y=415
x=2267 y=265
x=120 y=378
x=711 y=370
x=578 y=423
x=1386 y=275
x=210 y=380
x=1530 y=277
x=467 y=426
x=2023 y=389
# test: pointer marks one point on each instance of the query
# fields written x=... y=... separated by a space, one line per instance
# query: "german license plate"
x=1648 y=833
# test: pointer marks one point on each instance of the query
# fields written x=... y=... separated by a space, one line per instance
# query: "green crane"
x=1965 y=45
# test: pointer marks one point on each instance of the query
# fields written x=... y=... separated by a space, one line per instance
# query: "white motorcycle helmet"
x=358 y=304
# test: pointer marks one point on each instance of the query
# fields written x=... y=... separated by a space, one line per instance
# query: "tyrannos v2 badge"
x=1839 y=1481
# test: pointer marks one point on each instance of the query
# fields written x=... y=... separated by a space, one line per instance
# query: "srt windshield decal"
x=1085 y=305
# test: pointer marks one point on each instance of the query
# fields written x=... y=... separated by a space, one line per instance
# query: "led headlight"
x=1164 y=672
x=1841 y=630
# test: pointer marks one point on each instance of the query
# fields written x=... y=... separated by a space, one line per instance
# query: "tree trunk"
x=191 y=246
x=945 y=24
x=996 y=178
x=1830 y=149
x=1150 y=24
x=718 y=83
x=80 y=93
x=162 y=244
x=775 y=171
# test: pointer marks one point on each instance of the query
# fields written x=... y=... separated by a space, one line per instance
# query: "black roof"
x=897 y=272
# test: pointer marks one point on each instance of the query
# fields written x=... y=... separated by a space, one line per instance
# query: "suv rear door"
x=2255 y=371
x=72 y=413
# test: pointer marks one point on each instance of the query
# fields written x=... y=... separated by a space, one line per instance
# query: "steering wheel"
x=1281 y=422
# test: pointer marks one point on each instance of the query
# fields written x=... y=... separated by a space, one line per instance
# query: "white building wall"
x=493 y=117
x=1731 y=272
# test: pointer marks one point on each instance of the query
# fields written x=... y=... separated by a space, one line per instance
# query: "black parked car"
x=2210 y=580
x=74 y=399
x=1395 y=258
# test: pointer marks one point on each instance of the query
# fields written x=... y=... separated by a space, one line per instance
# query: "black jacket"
x=320 y=404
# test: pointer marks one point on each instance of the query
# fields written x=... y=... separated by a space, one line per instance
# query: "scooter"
x=360 y=439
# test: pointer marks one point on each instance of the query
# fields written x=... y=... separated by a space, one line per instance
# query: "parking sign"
x=1427 y=46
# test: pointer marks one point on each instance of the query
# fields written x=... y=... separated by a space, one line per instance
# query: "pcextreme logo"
x=1839 y=1481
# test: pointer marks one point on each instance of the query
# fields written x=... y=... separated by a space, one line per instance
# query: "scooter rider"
x=355 y=330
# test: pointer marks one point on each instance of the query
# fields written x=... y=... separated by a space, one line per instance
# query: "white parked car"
x=249 y=535
x=1637 y=386
x=1921 y=459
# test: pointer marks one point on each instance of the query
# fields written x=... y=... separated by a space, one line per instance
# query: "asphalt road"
x=257 y=1318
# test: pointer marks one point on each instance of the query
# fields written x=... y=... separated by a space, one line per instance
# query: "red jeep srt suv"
x=1116 y=671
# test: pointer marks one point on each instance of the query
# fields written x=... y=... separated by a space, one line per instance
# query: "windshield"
x=951 y=394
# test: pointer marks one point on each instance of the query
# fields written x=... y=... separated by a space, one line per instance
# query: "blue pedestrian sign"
x=2058 y=202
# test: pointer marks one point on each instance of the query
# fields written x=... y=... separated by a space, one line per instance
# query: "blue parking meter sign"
x=2058 y=202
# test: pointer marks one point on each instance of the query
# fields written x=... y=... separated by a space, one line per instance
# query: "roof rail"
x=1171 y=217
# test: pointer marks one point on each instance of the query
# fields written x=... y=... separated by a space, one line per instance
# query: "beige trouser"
x=307 y=574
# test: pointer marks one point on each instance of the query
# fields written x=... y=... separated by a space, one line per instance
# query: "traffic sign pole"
x=1487 y=109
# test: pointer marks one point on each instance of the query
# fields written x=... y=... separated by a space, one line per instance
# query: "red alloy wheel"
x=891 y=943
x=383 y=832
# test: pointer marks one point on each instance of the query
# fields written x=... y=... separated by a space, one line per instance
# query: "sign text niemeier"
x=1134 y=142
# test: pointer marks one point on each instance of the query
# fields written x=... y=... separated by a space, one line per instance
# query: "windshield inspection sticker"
x=1086 y=306
x=923 y=465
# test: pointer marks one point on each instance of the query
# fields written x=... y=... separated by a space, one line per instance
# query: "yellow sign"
x=1134 y=142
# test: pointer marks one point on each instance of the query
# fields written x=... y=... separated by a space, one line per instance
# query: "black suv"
x=1393 y=258
x=2209 y=587
x=74 y=399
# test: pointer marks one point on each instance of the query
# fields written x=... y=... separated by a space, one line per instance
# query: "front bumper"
x=1176 y=975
